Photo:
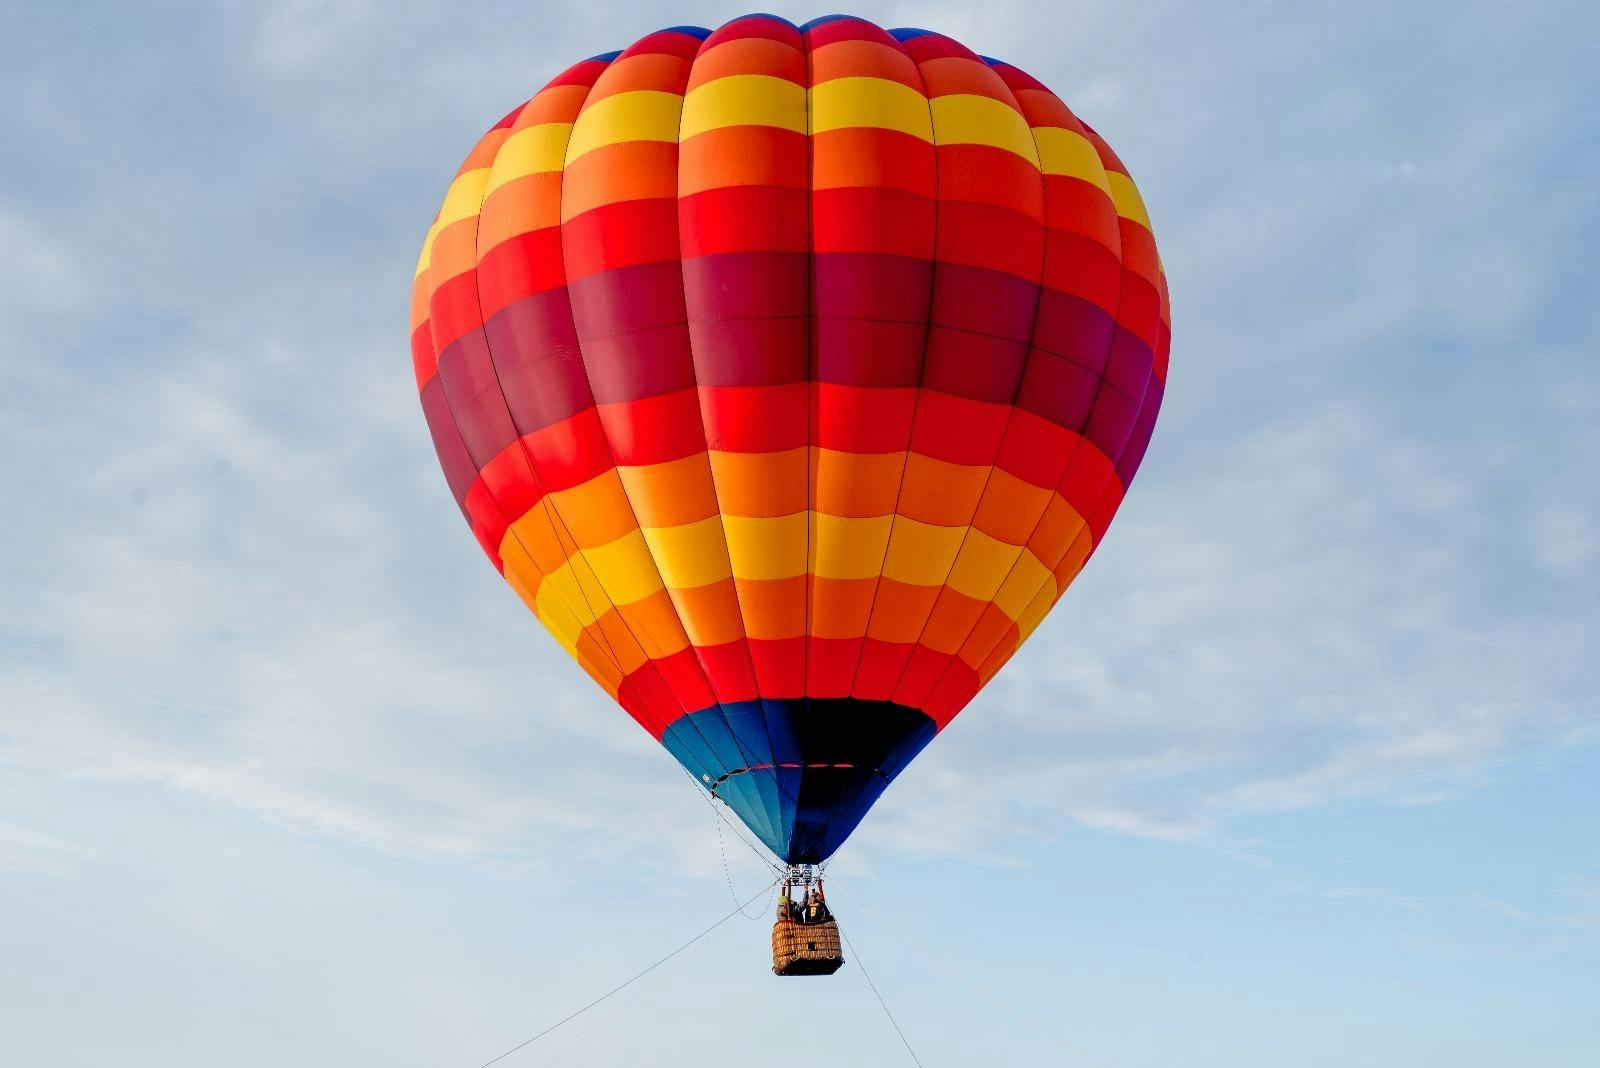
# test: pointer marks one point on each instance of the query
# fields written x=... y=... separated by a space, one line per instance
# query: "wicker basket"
x=806 y=948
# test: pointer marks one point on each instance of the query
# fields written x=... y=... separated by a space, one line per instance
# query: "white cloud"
x=1299 y=619
x=293 y=34
x=243 y=581
x=41 y=273
x=1565 y=540
x=27 y=849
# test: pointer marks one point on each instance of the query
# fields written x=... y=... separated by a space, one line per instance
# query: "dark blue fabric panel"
x=845 y=753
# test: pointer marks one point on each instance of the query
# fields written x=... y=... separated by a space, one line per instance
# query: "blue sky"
x=1304 y=770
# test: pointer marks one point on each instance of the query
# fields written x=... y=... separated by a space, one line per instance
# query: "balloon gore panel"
x=790 y=375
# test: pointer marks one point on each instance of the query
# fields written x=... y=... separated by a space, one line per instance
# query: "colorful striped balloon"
x=790 y=375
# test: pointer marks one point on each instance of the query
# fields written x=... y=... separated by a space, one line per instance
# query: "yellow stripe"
x=1037 y=609
x=920 y=554
x=642 y=115
x=557 y=599
x=845 y=548
x=537 y=149
x=689 y=555
x=744 y=100
x=964 y=119
x=595 y=597
x=767 y=548
x=874 y=102
x=1023 y=585
x=523 y=576
x=982 y=565
x=561 y=623
x=1125 y=195
x=624 y=568
x=425 y=257
x=1068 y=153
x=465 y=197
x=560 y=593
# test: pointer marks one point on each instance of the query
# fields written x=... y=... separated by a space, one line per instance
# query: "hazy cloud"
x=244 y=581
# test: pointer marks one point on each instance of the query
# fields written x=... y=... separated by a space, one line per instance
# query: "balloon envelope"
x=790 y=375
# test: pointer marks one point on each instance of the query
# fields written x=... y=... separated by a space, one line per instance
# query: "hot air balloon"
x=790 y=375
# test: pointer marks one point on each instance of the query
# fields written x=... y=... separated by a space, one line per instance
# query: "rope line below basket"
x=629 y=982
x=883 y=1004
x=958 y=973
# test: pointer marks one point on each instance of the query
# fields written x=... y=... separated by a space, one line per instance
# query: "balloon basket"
x=806 y=948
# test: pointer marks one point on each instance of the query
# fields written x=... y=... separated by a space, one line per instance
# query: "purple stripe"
x=535 y=348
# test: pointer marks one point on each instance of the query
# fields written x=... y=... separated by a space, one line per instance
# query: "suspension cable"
x=621 y=986
x=639 y=995
x=727 y=873
x=985 y=991
x=713 y=801
x=883 y=1004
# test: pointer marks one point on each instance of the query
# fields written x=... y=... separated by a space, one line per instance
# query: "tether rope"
x=624 y=985
x=883 y=1004
x=985 y=991
x=713 y=801
x=727 y=873
x=643 y=991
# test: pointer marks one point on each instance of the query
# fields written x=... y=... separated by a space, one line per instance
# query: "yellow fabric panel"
x=1069 y=153
x=1028 y=576
x=625 y=568
x=573 y=602
x=580 y=588
x=744 y=100
x=562 y=625
x=560 y=593
x=1130 y=205
x=1037 y=609
x=964 y=119
x=641 y=115
x=845 y=548
x=690 y=555
x=561 y=606
x=594 y=592
x=920 y=554
x=982 y=565
x=425 y=256
x=767 y=548
x=464 y=198
x=876 y=102
x=537 y=149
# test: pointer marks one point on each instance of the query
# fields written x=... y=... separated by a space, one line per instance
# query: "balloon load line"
x=628 y=982
x=790 y=374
